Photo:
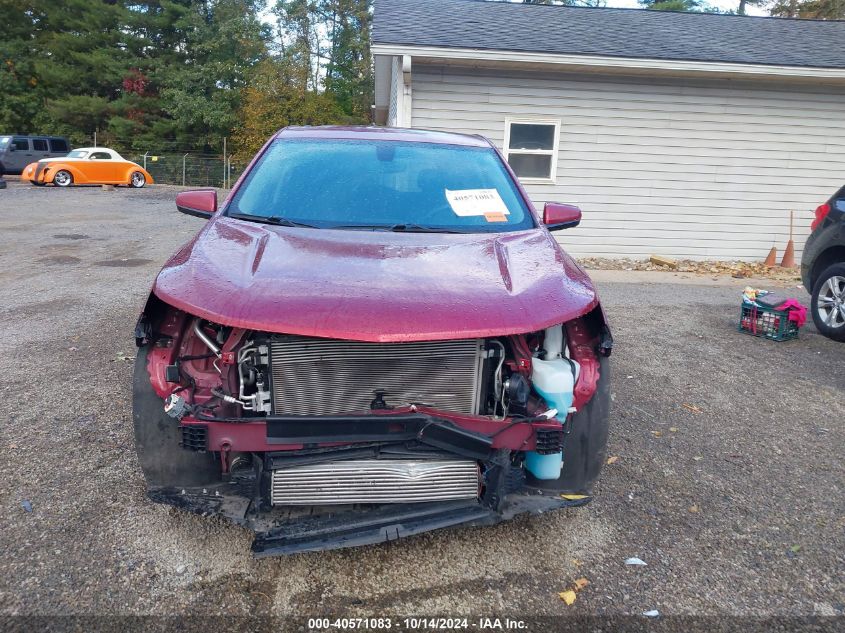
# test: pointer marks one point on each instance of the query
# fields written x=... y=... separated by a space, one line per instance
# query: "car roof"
x=47 y=136
x=372 y=133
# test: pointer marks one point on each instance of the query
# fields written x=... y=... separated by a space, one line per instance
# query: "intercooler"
x=375 y=481
x=312 y=376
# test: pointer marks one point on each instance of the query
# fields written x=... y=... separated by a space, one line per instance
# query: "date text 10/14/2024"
x=416 y=624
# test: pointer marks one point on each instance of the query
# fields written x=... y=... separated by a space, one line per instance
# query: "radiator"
x=312 y=376
x=375 y=481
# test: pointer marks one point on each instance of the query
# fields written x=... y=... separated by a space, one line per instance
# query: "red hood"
x=374 y=286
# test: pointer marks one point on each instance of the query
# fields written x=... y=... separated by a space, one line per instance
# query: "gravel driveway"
x=728 y=482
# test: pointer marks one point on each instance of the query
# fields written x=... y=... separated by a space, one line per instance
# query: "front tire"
x=164 y=462
x=137 y=180
x=585 y=450
x=828 y=303
x=63 y=178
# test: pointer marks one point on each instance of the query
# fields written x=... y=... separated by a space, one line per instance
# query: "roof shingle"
x=610 y=32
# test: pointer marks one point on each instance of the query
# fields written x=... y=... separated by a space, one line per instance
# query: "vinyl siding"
x=699 y=170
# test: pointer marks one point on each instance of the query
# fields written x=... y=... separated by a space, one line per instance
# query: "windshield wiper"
x=419 y=228
x=396 y=228
x=275 y=220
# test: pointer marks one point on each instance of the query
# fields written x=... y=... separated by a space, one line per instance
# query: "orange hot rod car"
x=87 y=166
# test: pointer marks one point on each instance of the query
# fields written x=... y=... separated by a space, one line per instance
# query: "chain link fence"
x=190 y=170
x=172 y=163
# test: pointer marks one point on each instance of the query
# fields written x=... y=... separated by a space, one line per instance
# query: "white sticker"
x=476 y=202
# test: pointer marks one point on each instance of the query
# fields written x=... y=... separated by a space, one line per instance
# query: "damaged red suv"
x=373 y=336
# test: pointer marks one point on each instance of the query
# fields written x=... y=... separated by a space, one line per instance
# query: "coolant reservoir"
x=554 y=379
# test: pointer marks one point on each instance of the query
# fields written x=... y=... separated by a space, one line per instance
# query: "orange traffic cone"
x=788 y=260
x=772 y=258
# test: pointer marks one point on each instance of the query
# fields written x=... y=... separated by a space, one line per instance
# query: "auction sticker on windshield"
x=475 y=202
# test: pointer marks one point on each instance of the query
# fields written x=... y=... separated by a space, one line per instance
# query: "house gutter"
x=627 y=65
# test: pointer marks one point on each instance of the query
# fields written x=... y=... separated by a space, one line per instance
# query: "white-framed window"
x=530 y=148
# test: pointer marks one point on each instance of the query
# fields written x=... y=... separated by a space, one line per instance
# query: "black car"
x=823 y=267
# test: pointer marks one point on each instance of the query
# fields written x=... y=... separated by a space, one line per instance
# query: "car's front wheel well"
x=827 y=258
x=150 y=319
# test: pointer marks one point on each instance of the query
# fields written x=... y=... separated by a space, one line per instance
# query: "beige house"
x=687 y=135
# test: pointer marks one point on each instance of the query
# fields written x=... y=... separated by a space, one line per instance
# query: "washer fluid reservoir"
x=554 y=379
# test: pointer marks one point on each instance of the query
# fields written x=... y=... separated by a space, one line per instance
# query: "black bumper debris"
x=423 y=428
x=284 y=531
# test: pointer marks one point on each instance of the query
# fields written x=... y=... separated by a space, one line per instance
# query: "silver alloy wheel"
x=137 y=179
x=62 y=178
x=831 y=302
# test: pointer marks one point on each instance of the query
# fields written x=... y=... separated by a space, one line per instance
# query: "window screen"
x=58 y=145
x=39 y=144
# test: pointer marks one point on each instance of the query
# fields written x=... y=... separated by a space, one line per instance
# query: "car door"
x=20 y=156
x=100 y=167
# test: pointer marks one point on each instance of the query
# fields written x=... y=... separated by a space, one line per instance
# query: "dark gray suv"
x=16 y=152
x=823 y=267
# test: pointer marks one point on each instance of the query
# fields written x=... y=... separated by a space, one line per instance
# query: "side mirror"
x=557 y=216
x=201 y=203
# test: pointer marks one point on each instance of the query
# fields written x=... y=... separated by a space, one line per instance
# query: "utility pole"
x=224 y=162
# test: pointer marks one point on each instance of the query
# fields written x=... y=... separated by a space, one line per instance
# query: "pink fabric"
x=797 y=312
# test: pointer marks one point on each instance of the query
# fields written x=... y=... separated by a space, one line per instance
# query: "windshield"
x=77 y=153
x=382 y=185
x=4 y=141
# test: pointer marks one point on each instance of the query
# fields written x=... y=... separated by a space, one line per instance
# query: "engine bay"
x=221 y=372
x=290 y=421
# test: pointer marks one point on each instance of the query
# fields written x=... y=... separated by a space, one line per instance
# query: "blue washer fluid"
x=554 y=380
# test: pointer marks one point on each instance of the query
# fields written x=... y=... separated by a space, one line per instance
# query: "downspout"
x=406 y=111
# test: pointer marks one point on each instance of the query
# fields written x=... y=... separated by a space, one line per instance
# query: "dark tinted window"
x=39 y=144
x=531 y=165
x=20 y=143
x=529 y=136
x=332 y=183
x=58 y=145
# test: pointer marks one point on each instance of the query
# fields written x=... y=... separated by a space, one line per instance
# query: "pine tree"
x=688 y=6
x=817 y=9
x=22 y=93
x=158 y=74
x=349 y=69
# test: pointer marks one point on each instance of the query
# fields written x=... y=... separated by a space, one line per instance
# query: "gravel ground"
x=734 y=501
